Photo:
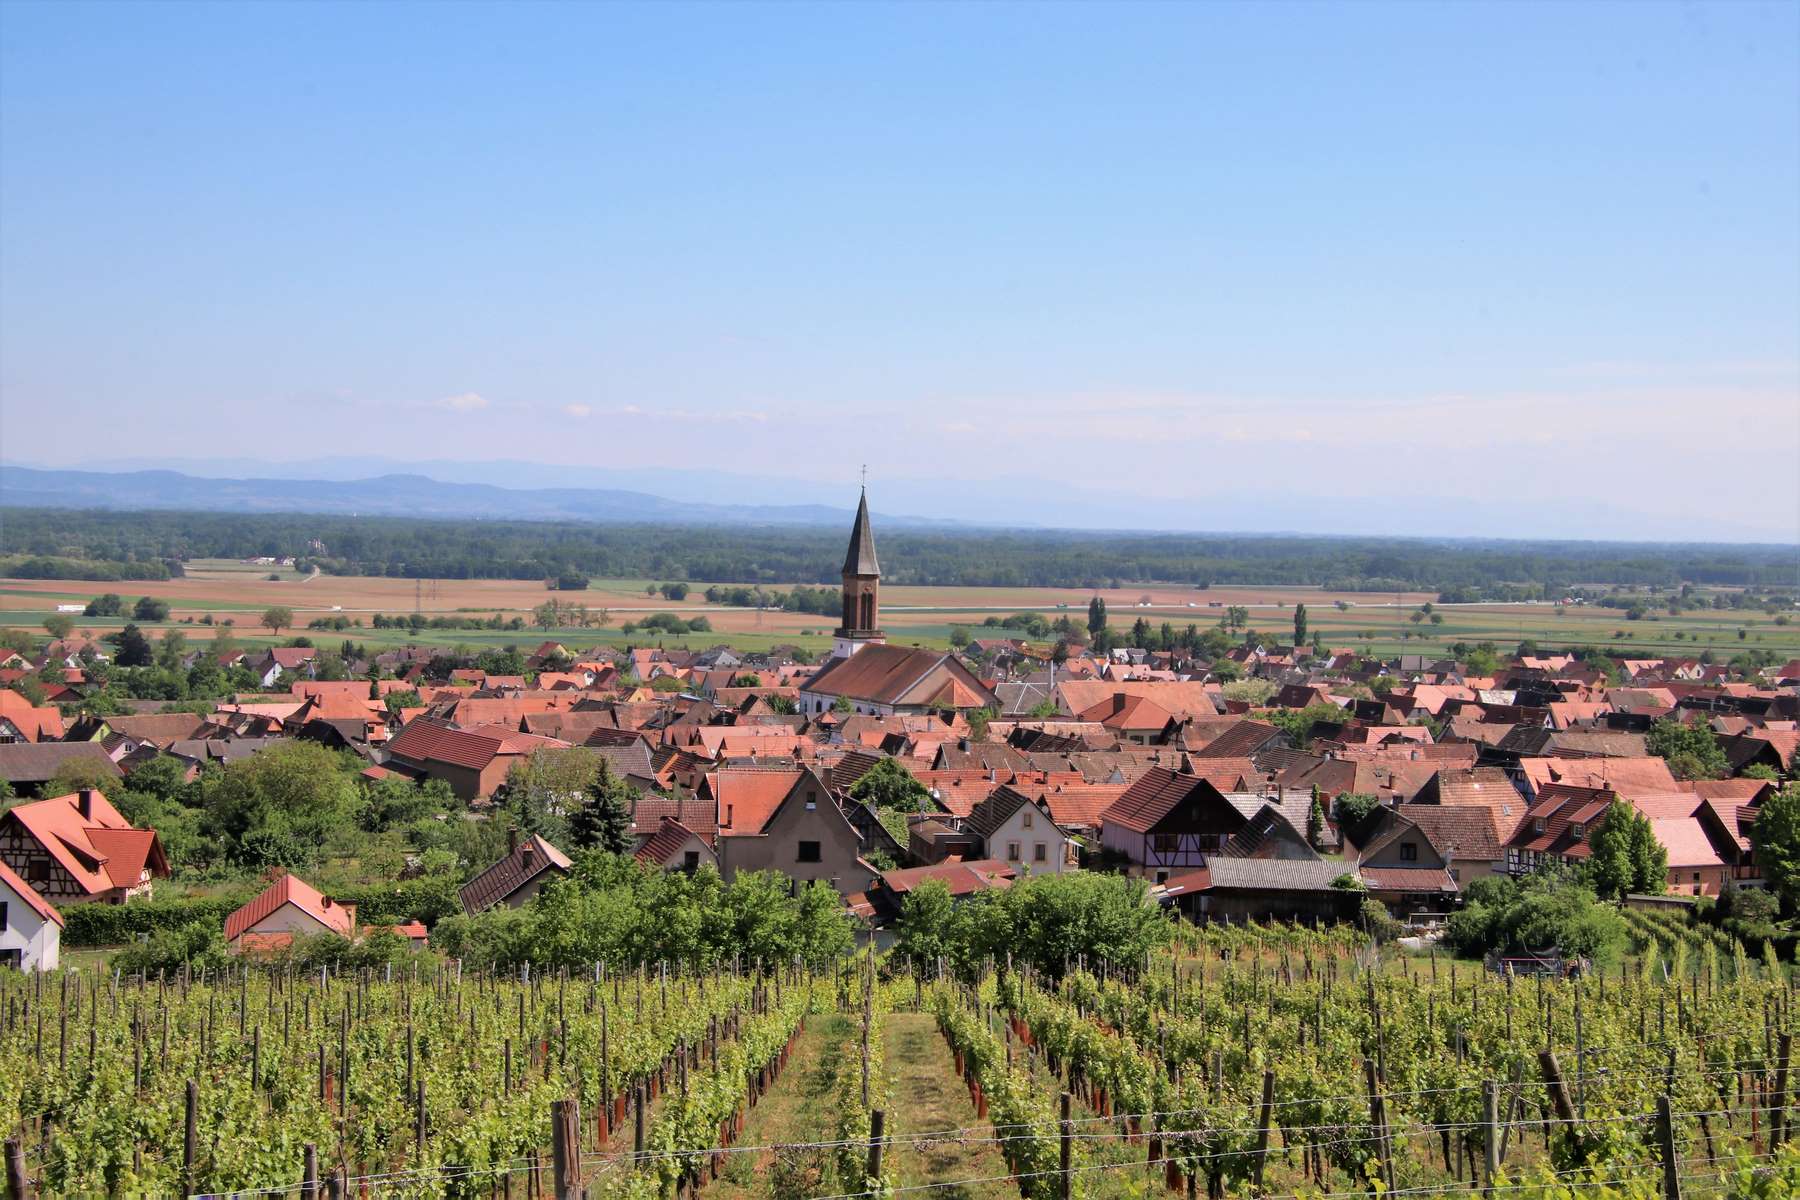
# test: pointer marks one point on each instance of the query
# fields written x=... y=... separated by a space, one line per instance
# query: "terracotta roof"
x=1240 y=741
x=431 y=741
x=36 y=723
x=289 y=890
x=532 y=857
x=746 y=797
x=84 y=845
x=962 y=878
x=1686 y=841
x=695 y=814
x=1183 y=699
x=882 y=674
x=1408 y=879
x=1622 y=775
x=32 y=900
x=1461 y=832
x=663 y=845
x=1153 y=797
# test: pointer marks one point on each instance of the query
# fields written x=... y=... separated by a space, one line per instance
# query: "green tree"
x=1096 y=616
x=134 y=648
x=1691 y=751
x=959 y=636
x=149 y=608
x=1355 y=808
x=59 y=625
x=277 y=618
x=603 y=821
x=282 y=806
x=888 y=784
x=1315 y=822
x=927 y=929
x=1776 y=836
x=109 y=605
x=1299 y=625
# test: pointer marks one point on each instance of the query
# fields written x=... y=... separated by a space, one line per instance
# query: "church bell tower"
x=862 y=583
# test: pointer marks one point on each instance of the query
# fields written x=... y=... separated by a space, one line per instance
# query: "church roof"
x=860 y=558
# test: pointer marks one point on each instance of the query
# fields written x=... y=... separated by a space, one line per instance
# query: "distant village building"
x=77 y=848
x=288 y=908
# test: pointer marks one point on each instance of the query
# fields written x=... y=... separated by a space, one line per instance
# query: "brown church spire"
x=860 y=558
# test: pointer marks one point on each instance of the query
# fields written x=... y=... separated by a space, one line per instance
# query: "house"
x=886 y=895
x=884 y=680
x=22 y=721
x=806 y=836
x=28 y=766
x=30 y=927
x=78 y=848
x=473 y=763
x=513 y=881
x=1254 y=889
x=1021 y=831
x=1167 y=822
x=288 y=908
x=1404 y=869
x=675 y=847
x=294 y=660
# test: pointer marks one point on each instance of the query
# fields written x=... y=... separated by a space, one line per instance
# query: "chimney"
x=325 y=901
x=84 y=803
x=528 y=852
x=728 y=811
x=512 y=841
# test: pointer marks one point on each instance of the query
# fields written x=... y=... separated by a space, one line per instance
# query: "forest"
x=65 y=543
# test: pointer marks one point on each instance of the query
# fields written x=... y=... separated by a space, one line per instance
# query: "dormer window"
x=1580 y=832
x=1538 y=825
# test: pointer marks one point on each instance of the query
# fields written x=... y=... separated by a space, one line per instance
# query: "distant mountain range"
x=397 y=495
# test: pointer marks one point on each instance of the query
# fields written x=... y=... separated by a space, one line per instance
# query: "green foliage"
x=1776 y=836
x=1096 y=621
x=603 y=820
x=611 y=909
x=150 y=608
x=1044 y=920
x=116 y=924
x=1543 y=911
x=282 y=806
x=1625 y=856
x=1353 y=809
x=888 y=784
x=198 y=945
x=1298 y=723
x=1691 y=750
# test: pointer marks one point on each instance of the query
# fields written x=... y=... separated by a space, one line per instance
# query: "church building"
x=873 y=677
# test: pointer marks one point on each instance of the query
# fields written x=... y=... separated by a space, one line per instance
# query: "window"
x=1580 y=832
x=690 y=861
x=1409 y=852
x=39 y=871
x=1696 y=877
x=3 y=925
x=1210 y=841
x=1165 y=843
x=1038 y=853
x=1027 y=818
x=1162 y=877
x=1012 y=852
x=812 y=801
x=1538 y=825
x=1456 y=874
x=809 y=852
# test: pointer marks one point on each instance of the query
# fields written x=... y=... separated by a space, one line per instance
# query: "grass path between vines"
x=926 y=1096
x=801 y=1107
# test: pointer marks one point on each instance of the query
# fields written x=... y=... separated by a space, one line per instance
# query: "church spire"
x=860 y=558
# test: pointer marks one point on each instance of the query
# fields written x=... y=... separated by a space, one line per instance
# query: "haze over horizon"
x=1480 y=269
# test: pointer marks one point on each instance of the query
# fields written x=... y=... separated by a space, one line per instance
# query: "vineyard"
x=1241 y=1061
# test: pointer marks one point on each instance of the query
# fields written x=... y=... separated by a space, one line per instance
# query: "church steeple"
x=860 y=559
x=862 y=584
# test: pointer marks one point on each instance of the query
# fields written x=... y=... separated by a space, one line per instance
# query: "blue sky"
x=1433 y=269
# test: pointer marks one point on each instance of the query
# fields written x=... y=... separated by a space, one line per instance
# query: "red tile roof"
x=748 y=796
x=35 y=902
x=85 y=845
x=1150 y=799
x=302 y=895
x=663 y=845
x=431 y=741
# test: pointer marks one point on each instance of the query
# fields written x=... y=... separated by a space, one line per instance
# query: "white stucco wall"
x=39 y=941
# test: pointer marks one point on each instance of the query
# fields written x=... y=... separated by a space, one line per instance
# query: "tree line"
x=441 y=549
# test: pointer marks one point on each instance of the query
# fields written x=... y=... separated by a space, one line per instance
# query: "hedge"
x=429 y=899
x=115 y=924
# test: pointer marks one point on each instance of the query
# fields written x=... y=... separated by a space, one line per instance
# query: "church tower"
x=862 y=582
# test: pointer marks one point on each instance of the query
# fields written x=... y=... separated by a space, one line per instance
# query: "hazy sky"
x=1456 y=261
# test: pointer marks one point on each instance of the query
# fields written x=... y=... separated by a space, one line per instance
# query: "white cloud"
x=578 y=410
x=462 y=402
